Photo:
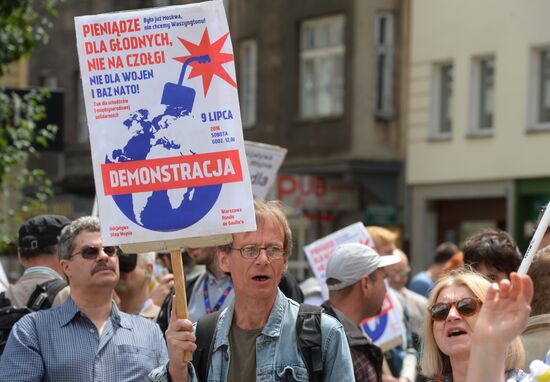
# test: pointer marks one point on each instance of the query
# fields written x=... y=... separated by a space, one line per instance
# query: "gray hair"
x=69 y=233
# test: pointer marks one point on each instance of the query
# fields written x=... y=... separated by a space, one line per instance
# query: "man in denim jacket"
x=256 y=336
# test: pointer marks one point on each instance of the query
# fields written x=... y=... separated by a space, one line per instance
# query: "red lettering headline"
x=169 y=173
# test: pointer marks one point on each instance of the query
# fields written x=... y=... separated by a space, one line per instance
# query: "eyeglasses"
x=91 y=253
x=273 y=252
x=403 y=273
x=467 y=307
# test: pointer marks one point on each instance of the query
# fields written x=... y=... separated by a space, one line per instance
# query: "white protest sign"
x=321 y=250
x=263 y=162
x=164 y=122
x=385 y=329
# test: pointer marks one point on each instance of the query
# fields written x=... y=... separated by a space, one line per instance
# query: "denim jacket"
x=277 y=354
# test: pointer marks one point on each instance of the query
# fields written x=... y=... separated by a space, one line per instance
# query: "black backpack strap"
x=204 y=333
x=308 y=333
x=44 y=294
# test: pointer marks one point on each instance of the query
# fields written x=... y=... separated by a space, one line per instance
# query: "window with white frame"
x=483 y=98
x=322 y=51
x=248 y=61
x=384 y=48
x=442 y=115
x=539 y=113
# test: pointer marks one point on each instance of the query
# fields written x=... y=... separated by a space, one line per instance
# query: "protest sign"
x=263 y=162
x=164 y=123
x=321 y=250
x=386 y=329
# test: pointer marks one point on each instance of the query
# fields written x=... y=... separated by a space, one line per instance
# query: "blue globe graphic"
x=159 y=213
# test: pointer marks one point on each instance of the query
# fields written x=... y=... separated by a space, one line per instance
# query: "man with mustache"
x=87 y=338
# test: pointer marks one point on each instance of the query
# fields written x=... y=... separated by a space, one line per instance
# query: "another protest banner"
x=321 y=250
x=164 y=122
x=263 y=162
x=165 y=130
x=385 y=329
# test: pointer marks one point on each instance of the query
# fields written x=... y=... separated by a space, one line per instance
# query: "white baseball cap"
x=351 y=262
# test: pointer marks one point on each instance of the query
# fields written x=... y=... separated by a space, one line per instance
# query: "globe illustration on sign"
x=163 y=136
x=164 y=210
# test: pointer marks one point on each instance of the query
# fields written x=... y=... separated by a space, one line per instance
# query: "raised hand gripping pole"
x=181 y=295
x=535 y=241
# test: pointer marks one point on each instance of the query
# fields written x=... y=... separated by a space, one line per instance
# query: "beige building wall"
x=373 y=138
x=459 y=31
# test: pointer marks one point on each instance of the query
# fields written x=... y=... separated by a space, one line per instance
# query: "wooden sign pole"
x=181 y=295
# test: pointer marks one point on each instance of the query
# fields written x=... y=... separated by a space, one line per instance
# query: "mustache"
x=102 y=267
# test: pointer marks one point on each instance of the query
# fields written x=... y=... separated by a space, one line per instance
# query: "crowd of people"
x=83 y=311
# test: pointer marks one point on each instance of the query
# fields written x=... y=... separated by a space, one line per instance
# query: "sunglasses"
x=467 y=307
x=91 y=253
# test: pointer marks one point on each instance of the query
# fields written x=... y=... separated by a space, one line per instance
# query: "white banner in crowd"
x=164 y=122
x=264 y=162
x=386 y=329
x=321 y=250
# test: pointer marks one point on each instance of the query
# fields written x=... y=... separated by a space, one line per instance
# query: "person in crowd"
x=385 y=245
x=457 y=261
x=355 y=280
x=452 y=327
x=383 y=238
x=212 y=290
x=414 y=305
x=134 y=285
x=493 y=253
x=424 y=281
x=255 y=337
x=86 y=338
x=38 y=254
x=536 y=337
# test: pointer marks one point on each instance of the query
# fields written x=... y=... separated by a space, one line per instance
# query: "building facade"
x=324 y=79
x=478 y=120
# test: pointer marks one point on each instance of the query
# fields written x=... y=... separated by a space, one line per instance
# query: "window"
x=384 y=42
x=540 y=90
x=483 y=97
x=442 y=118
x=322 y=52
x=248 y=81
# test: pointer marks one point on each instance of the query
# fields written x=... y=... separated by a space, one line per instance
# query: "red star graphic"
x=217 y=59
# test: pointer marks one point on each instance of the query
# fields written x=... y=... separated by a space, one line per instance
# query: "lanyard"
x=220 y=300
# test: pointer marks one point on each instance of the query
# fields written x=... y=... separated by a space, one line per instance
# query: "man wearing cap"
x=86 y=338
x=355 y=280
x=38 y=254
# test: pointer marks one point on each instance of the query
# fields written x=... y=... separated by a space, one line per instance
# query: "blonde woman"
x=472 y=328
